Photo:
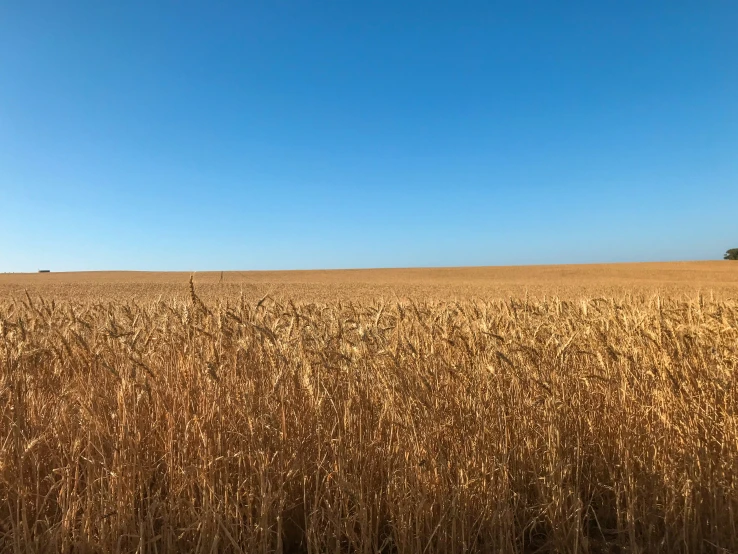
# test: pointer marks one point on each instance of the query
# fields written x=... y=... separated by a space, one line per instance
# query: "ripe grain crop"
x=567 y=282
x=525 y=424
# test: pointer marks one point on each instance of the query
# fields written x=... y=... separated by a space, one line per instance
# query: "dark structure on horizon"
x=731 y=254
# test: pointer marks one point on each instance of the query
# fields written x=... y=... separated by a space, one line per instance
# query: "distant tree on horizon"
x=731 y=254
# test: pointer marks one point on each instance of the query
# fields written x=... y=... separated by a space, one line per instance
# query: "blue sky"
x=290 y=134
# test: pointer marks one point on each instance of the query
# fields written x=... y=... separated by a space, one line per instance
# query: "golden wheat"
x=518 y=425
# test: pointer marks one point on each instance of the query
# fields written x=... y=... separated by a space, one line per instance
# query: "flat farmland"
x=512 y=409
x=719 y=278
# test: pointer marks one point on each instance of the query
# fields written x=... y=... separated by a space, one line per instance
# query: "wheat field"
x=561 y=409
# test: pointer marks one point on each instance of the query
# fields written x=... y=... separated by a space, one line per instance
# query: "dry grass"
x=234 y=424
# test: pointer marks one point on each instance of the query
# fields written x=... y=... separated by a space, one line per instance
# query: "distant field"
x=586 y=409
x=565 y=281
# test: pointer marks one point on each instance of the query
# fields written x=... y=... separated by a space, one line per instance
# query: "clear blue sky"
x=291 y=134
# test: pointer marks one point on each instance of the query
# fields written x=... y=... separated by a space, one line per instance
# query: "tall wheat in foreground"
x=598 y=425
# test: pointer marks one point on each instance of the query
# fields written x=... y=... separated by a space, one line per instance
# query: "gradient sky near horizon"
x=183 y=135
